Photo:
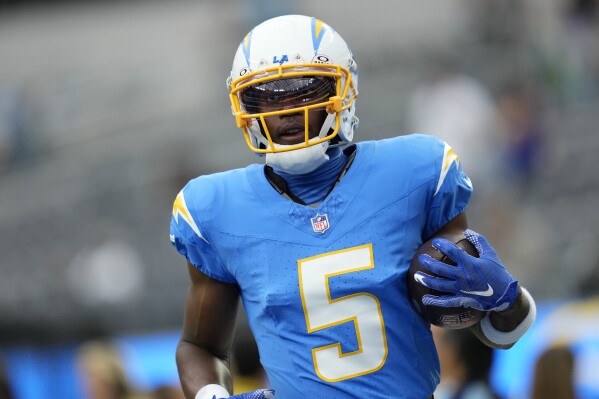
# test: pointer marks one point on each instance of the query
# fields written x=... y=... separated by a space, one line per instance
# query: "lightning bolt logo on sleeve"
x=180 y=209
x=449 y=157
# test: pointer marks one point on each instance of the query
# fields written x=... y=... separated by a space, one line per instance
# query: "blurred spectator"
x=553 y=376
x=581 y=19
x=103 y=373
x=522 y=133
x=5 y=388
x=465 y=365
x=459 y=110
x=108 y=272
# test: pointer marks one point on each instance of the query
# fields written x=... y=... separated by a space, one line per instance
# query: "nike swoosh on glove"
x=480 y=283
x=257 y=394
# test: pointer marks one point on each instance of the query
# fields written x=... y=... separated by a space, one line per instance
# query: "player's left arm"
x=511 y=309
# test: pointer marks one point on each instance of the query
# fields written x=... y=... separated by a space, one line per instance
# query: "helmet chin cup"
x=294 y=46
x=300 y=161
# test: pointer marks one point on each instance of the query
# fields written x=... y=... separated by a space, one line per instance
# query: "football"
x=454 y=317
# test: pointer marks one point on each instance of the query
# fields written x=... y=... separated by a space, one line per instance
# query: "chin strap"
x=326 y=126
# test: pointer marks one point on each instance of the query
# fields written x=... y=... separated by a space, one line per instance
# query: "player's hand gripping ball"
x=459 y=295
x=446 y=317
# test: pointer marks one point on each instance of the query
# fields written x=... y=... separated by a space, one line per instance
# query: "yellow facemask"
x=260 y=140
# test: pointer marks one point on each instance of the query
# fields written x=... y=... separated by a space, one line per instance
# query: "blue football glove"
x=480 y=283
x=257 y=394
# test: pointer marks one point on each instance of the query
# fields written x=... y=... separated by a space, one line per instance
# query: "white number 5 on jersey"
x=321 y=312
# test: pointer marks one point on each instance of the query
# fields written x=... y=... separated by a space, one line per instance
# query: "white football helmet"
x=298 y=52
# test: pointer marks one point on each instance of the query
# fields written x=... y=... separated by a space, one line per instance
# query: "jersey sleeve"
x=191 y=240
x=451 y=189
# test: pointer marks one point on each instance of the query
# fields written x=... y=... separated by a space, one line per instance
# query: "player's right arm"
x=203 y=353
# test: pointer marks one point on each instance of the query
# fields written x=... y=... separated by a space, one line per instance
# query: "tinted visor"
x=279 y=94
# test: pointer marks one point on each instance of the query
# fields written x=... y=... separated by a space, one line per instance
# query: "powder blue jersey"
x=325 y=288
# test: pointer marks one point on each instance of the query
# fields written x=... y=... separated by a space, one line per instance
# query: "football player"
x=317 y=241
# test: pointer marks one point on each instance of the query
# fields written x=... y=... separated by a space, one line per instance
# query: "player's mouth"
x=293 y=135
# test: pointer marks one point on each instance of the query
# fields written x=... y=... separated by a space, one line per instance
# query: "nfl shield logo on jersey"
x=320 y=223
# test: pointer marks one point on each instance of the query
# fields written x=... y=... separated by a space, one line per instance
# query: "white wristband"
x=510 y=337
x=212 y=391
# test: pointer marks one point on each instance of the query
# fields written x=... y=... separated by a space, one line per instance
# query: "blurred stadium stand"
x=107 y=109
x=113 y=118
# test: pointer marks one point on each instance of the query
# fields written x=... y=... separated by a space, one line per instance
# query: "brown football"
x=455 y=317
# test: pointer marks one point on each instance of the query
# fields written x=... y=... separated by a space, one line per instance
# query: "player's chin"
x=290 y=141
